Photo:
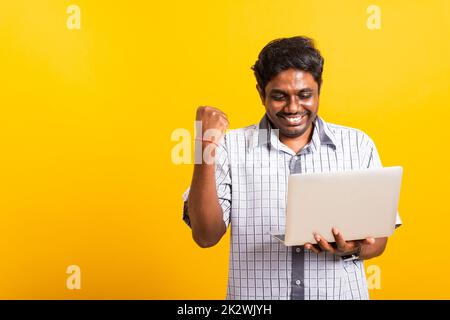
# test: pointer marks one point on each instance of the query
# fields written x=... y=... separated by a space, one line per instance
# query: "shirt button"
x=298 y=250
x=297 y=282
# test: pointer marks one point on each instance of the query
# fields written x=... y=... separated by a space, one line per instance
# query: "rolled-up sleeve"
x=223 y=184
x=371 y=160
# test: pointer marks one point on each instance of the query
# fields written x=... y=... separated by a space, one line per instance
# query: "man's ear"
x=261 y=93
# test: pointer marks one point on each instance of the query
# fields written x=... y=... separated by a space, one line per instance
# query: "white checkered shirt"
x=252 y=169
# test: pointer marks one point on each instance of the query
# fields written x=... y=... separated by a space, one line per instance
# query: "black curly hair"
x=281 y=54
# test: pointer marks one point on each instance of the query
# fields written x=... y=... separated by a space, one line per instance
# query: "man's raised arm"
x=205 y=212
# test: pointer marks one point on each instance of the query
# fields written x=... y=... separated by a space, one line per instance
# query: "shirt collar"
x=266 y=135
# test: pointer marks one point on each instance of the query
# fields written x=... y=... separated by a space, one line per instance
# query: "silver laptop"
x=360 y=203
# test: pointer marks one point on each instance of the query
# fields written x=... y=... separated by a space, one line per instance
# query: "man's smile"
x=294 y=119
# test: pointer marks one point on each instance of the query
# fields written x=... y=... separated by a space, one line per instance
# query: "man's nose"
x=293 y=105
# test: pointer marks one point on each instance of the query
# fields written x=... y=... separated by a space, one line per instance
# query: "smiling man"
x=245 y=187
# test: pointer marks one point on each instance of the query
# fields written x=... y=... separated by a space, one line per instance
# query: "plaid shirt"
x=252 y=169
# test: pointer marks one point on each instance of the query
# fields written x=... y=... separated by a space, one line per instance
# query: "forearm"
x=373 y=250
x=205 y=213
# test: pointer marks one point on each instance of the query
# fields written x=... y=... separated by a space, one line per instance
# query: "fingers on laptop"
x=341 y=244
x=312 y=247
x=368 y=241
x=323 y=244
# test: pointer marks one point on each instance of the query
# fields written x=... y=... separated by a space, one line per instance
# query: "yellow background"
x=87 y=115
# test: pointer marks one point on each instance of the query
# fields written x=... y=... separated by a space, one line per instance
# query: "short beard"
x=296 y=134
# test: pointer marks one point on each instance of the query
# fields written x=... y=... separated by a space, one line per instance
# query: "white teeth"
x=294 y=119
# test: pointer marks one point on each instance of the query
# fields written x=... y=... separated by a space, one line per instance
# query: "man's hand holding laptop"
x=359 y=207
x=366 y=247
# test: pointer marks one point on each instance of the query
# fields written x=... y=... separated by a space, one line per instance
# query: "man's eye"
x=278 y=97
x=305 y=96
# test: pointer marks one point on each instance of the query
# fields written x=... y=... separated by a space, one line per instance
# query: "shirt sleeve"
x=371 y=160
x=223 y=184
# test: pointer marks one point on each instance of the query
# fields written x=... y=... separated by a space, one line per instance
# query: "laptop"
x=360 y=203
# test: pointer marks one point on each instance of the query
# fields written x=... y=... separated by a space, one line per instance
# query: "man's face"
x=292 y=100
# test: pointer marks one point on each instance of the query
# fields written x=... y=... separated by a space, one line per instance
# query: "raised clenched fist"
x=214 y=123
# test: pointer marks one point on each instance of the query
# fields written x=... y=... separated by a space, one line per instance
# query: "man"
x=246 y=184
